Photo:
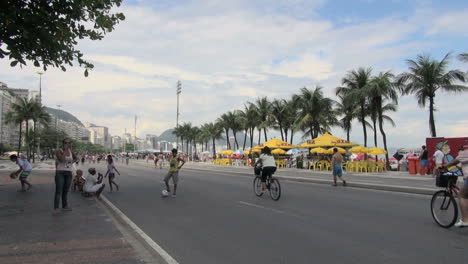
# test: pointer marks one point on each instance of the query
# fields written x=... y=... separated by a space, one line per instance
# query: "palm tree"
x=347 y=109
x=186 y=129
x=21 y=112
x=291 y=119
x=357 y=80
x=223 y=121
x=235 y=125
x=316 y=112
x=425 y=77
x=214 y=130
x=179 y=134
x=262 y=106
x=278 y=114
x=39 y=115
x=463 y=57
x=252 y=118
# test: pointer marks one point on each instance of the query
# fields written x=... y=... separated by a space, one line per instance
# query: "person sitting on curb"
x=92 y=184
x=78 y=181
x=463 y=194
x=24 y=170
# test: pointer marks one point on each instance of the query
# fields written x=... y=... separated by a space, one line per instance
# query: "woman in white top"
x=63 y=174
x=268 y=165
x=111 y=169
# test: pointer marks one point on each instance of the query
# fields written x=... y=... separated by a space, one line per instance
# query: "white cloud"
x=452 y=22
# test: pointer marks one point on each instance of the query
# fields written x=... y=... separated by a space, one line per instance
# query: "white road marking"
x=168 y=258
x=270 y=209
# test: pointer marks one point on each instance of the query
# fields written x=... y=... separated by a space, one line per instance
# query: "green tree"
x=463 y=57
x=278 y=114
x=215 y=130
x=357 y=80
x=20 y=113
x=47 y=32
x=223 y=121
x=425 y=77
x=347 y=110
x=262 y=106
x=39 y=116
x=248 y=119
x=316 y=112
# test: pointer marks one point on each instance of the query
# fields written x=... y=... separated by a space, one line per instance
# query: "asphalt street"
x=216 y=218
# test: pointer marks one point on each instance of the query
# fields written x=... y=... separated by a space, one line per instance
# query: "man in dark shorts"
x=463 y=194
x=337 y=160
x=423 y=162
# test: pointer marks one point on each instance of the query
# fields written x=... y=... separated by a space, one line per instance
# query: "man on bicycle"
x=268 y=165
x=463 y=194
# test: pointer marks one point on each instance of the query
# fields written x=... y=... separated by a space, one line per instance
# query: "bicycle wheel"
x=275 y=189
x=257 y=186
x=444 y=209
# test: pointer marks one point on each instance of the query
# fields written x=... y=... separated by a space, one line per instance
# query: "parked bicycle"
x=272 y=184
x=444 y=207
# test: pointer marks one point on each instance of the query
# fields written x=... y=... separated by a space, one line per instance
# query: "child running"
x=174 y=167
x=25 y=169
x=110 y=170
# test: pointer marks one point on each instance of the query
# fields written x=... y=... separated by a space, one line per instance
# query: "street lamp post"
x=56 y=121
x=40 y=104
x=178 y=91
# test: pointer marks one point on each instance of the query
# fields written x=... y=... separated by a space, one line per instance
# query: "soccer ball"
x=164 y=193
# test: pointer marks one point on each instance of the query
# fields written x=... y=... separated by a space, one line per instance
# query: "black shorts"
x=267 y=171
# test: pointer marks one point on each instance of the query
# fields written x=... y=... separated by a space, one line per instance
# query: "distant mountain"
x=168 y=136
x=63 y=115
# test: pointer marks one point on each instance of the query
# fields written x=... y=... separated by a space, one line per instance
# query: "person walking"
x=423 y=162
x=463 y=194
x=24 y=170
x=174 y=167
x=111 y=169
x=64 y=159
x=337 y=160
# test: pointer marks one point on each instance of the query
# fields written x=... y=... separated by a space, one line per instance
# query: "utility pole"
x=178 y=91
x=56 y=121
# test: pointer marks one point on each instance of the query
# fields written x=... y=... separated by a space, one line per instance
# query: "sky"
x=227 y=53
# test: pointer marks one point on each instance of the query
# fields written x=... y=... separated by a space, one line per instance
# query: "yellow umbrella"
x=256 y=150
x=318 y=150
x=275 y=143
x=327 y=140
x=278 y=151
x=340 y=150
x=359 y=149
x=227 y=152
x=377 y=151
x=246 y=152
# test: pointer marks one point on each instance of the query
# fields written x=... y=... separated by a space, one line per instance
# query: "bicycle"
x=444 y=207
x=272 y=184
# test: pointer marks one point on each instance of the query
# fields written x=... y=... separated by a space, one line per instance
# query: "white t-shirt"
x=24 y=164
x=110 y=168
x=90 y=181
x=438 y=156
x=267 y=160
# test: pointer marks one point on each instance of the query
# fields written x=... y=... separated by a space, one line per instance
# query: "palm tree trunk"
x=311 y=132
x=214 y=149
x=236 y=144
x=182 y=141
x=285 y=135
x=281 y=130
x=19 y=141
x=264 y=132
x=292 y=135
x=363 y=121
x=375 y=131
x=347 y=135
x=245 y=138
x=259 y=135
x=227 y=139
x=431 y=117
x=384 y=138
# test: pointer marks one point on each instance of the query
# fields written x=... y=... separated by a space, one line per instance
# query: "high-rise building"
x=152 y=141
x=116 y=143
x=99 y=135
x=65 y=122
x=9 y=133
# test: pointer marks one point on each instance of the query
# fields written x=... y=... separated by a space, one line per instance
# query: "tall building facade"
x=116 y=143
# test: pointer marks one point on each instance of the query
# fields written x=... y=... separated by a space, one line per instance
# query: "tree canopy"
x=47 y=32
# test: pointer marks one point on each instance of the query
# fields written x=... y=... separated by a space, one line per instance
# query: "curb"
x=155 y=250
x=380 y=187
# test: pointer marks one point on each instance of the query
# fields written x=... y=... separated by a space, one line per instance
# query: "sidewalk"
x=29 y=233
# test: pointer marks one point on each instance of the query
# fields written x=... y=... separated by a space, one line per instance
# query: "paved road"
x=216 y=219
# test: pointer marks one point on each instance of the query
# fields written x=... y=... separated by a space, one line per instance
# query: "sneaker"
x=460 y=223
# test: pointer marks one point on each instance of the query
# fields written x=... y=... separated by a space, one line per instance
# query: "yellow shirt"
x=174 y=164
